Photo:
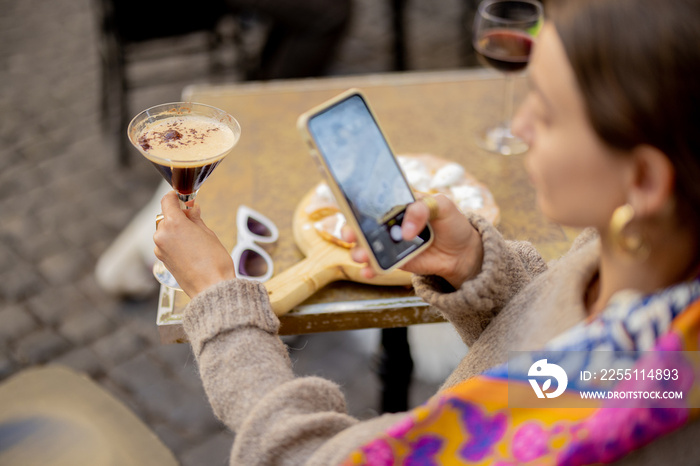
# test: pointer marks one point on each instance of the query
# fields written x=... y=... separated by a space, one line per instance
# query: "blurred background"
x=70 y=187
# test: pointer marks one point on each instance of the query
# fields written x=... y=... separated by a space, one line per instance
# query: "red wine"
x=504 y=49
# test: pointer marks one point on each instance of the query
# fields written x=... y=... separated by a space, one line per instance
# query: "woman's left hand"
x=189 y=249
x=456 y=253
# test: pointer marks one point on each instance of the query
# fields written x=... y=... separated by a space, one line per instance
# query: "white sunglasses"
x=252 y=262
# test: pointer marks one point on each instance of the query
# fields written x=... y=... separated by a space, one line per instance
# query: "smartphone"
x=365 y=177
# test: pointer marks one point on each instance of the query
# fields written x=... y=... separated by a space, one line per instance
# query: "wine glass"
x=185 y=141
x=504 y=33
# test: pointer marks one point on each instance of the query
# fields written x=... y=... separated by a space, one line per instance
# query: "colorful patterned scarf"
x=474 y=422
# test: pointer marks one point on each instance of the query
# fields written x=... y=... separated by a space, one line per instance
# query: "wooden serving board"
x=324 y=263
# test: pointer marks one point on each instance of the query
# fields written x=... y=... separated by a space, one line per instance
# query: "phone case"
x=302 y=126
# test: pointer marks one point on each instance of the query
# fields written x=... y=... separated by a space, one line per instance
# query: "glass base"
x=164 y=276
x=499 y=140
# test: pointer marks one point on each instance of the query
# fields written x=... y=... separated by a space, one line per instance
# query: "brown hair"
x=637 y=63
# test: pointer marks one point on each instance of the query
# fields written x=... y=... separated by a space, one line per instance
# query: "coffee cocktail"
x=185 y=142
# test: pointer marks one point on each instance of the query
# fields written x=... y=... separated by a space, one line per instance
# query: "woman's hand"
x=189 y=249
x=456 y=253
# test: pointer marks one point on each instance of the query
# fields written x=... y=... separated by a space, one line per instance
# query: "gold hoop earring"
x=633 y=244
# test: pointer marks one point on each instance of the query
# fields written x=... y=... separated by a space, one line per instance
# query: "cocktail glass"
x=504 y=34
x=185 y=141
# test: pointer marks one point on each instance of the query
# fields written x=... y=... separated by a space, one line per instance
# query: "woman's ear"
x=652 y=180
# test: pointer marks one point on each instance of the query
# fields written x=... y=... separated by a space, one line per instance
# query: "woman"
x=609 y=120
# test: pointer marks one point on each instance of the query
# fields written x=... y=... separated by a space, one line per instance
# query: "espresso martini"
x=186 y=148
x=185 y=141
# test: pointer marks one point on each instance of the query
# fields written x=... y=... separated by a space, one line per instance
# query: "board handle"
x=297 y=283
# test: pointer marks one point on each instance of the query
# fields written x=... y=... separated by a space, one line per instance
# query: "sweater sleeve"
x=247 y=375
x=507 y=267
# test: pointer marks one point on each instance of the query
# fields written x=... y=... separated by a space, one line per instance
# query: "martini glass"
x=185 y=141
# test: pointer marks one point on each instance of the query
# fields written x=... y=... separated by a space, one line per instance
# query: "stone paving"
x=64 y=200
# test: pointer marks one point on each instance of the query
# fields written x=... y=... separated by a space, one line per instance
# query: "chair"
x=398 y=28
x=127 y=27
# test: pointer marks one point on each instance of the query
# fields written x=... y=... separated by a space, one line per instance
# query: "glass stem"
x=186 y=200
x=508 y=104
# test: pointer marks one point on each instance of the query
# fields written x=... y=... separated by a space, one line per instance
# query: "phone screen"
x=362 y=164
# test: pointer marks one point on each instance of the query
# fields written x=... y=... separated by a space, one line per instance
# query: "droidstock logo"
x=543 y=369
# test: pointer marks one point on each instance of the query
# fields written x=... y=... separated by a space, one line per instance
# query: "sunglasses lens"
x=257 y=228
x=252 y=264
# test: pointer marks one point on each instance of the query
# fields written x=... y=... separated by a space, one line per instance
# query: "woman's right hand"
x=189 y=249
x=456 y=253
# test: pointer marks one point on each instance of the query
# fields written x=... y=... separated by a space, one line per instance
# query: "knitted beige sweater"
x=517 y=302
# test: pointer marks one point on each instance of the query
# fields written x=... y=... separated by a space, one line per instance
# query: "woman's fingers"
x=170 y=208
x=170 y=205
x=415 y=219
x=348 y=234
x=368 y=273
x=357 y=253
x=195 y=215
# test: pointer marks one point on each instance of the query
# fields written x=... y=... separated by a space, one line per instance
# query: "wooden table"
x=270 y=170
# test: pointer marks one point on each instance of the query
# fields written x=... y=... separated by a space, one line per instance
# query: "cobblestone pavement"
x=64 y=200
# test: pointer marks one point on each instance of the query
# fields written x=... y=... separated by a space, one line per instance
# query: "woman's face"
x=579 y=180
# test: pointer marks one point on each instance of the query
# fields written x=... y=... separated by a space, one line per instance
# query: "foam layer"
x=186 y=138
